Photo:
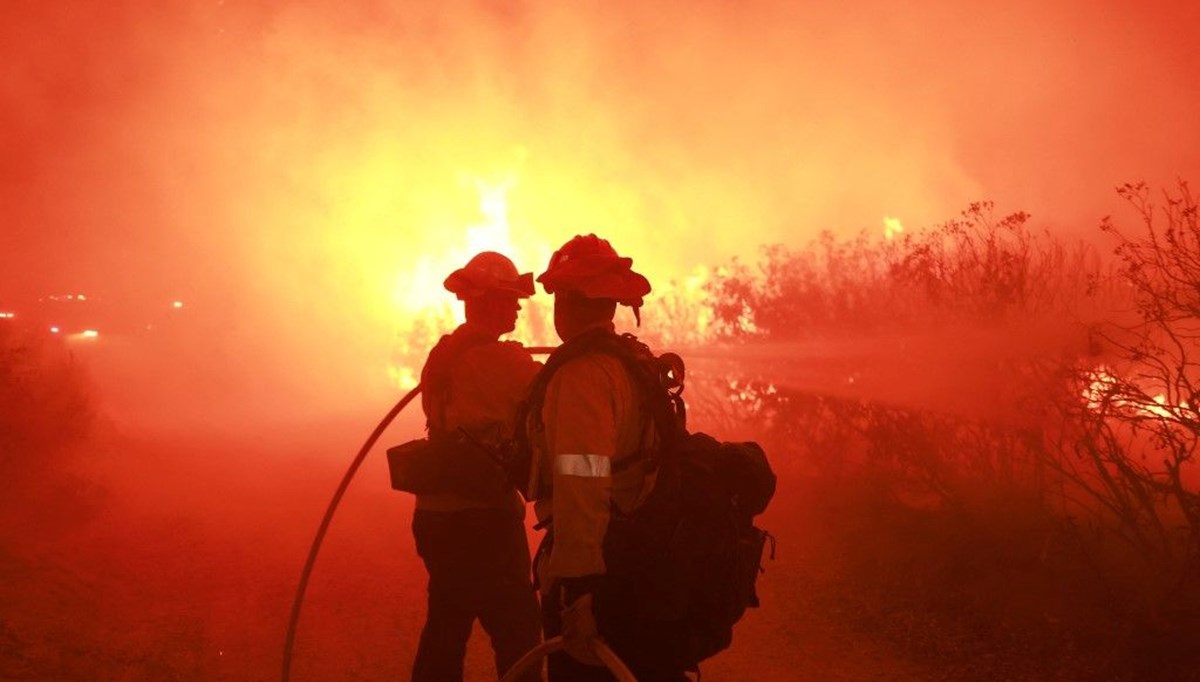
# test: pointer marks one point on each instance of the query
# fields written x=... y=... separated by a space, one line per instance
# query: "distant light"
x=177 y=304
x=90 y=333
x=81 y=297
x=54 y=330
x=892 y=227
x=7 y=316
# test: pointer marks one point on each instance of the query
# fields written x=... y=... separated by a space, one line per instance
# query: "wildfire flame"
x=1106 y=389
x=427 y=310
x=678 y=310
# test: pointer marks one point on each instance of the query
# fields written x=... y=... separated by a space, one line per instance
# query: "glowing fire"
x=1106 y=389
x=892 y=228
x=677 y=312
x=680 y=313
x=428 y=311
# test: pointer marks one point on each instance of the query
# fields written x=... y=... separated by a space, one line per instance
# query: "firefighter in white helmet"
x=474 y=546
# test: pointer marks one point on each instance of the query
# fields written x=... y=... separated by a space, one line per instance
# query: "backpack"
x=690 y=554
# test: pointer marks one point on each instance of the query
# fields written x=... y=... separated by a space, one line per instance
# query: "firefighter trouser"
x=638 y=642
x=478 y=563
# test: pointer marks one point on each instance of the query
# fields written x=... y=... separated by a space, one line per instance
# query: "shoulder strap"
x=435 y=375
x=657 y=380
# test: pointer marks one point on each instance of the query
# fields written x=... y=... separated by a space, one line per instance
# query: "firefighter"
x=474 y=545
x=585 y=470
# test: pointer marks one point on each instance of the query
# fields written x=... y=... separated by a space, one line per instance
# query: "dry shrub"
x=1127 y=433
x=976 y=268
x=45 y=402
x=46 y=411
x=1077 y=524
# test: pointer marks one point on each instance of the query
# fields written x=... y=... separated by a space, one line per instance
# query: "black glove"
x=579 y=618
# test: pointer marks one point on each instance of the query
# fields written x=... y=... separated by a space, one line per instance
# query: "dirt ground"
x=175 y=556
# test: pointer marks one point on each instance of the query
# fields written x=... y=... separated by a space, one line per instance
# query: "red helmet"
x=489 y=272
x=589 y=265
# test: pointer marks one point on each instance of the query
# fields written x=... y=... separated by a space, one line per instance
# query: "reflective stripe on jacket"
x=483 y=387
x=592 y=422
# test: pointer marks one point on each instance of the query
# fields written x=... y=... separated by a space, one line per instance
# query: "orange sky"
x=287 y=165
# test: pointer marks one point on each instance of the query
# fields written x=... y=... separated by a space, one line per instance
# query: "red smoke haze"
x=284 y=166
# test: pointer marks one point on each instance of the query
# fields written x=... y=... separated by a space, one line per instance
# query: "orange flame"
x=428 y=311
x=677 y=311
x=1106 y=389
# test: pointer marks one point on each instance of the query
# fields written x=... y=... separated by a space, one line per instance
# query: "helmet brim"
x=612 y=279
x=467 y=284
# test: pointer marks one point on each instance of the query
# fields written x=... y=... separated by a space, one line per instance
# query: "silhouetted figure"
x=474 y=545
x=589 y=470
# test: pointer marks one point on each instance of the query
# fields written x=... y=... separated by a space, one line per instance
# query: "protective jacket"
x=475 y=383
x=582 y=467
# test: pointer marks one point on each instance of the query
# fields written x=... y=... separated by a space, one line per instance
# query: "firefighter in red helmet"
x=586 y=472
x=474 y=545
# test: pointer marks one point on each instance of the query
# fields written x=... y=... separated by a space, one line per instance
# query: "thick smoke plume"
x=283 y=167
x=259 y=194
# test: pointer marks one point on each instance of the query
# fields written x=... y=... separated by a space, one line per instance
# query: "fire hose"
x=294 y=621
x=530 y=660
x=321 y=530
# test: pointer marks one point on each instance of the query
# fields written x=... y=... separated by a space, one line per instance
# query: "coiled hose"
x=527 y=662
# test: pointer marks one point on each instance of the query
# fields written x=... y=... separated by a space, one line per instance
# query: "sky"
x=314 y=169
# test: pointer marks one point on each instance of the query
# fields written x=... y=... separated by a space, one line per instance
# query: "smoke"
x=301 y=175
x=973 y=371
x=284 y=167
